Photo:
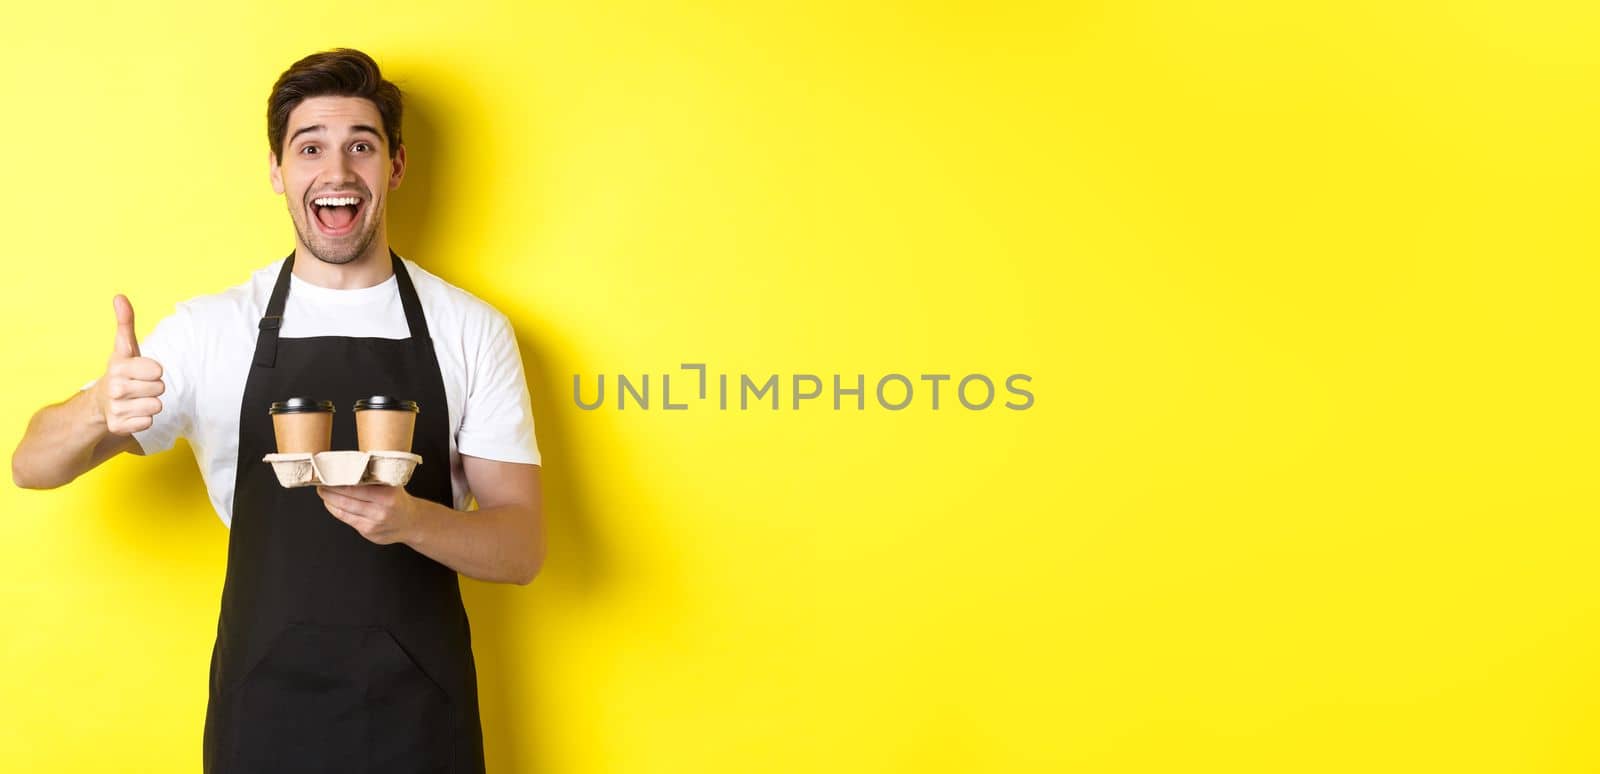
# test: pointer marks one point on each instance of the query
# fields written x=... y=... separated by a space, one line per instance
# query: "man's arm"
x=501 y=542
x=67 y=439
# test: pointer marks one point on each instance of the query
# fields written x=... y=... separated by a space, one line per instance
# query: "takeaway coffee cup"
x=302 y=425
x=384 y=423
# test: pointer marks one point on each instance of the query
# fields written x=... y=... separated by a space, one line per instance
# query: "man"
x=342 y=643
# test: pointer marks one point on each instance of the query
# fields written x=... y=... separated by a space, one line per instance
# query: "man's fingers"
x=129 y=425
x=129 y=396
x=135 y=368
x=136 y=407
x=127 y=344
x=363 y=527
x=340 y=513
x=365 y=494
x=124 y=388
x=344 y=503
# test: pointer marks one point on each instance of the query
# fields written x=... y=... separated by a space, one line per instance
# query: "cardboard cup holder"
x=344 y=468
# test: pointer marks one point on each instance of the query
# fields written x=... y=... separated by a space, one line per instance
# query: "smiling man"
x=342 y=643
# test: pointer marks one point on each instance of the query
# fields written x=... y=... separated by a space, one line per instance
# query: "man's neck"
x=372 y=268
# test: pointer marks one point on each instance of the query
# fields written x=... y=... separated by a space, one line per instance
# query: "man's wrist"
x=92 y=415
x=424 y=518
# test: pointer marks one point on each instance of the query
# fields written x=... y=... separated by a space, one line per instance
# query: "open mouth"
x=336 y=216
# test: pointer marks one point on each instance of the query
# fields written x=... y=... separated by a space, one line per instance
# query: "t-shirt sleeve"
x=497 y=419
x=171 y=345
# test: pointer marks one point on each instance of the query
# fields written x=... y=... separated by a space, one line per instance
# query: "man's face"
x=336 y=175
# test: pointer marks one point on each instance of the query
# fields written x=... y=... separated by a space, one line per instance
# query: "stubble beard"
x=332 y=253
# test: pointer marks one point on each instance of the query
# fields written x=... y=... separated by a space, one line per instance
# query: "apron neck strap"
x=272 y=321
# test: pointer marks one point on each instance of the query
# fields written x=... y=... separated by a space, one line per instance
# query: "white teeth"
x=335 y=201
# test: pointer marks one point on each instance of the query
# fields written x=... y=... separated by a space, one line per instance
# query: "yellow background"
x=1306 y=290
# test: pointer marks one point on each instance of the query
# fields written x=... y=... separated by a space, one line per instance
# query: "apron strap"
x=413 y=306
x=267 y=338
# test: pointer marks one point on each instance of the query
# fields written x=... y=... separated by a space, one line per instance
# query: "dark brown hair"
x=341 y=72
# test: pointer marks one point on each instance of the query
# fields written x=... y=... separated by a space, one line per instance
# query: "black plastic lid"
x=386 y=403
x=300 y=406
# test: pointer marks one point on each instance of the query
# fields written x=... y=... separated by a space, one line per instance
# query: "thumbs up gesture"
x=126 y=394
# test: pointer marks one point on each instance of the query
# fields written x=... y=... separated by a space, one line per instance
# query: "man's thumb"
x=127 y=344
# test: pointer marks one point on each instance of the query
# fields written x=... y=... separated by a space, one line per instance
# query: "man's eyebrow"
x=304 y=129
x=322 y=127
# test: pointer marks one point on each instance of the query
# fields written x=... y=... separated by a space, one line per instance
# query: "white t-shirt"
x=205 y=348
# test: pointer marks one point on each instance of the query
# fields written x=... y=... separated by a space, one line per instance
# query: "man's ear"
x=275 y=172
x=397 y=167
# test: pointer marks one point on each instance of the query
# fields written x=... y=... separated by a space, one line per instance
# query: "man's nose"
x=339 y=168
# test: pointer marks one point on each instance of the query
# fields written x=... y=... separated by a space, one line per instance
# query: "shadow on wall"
x=503 y=616
x=173 y=511
x=411 y=206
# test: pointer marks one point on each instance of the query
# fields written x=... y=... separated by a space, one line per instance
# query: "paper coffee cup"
x=385 y=423
x=302 y=425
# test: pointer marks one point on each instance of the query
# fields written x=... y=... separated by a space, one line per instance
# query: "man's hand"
x=382 y=514
x=125 y=397
x=64 y=440
x=500 y=542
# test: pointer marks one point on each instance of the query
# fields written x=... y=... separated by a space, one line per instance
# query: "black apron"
x=333 y=653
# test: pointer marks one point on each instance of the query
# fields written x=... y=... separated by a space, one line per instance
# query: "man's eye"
x=361 y=147
x=309 y=149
